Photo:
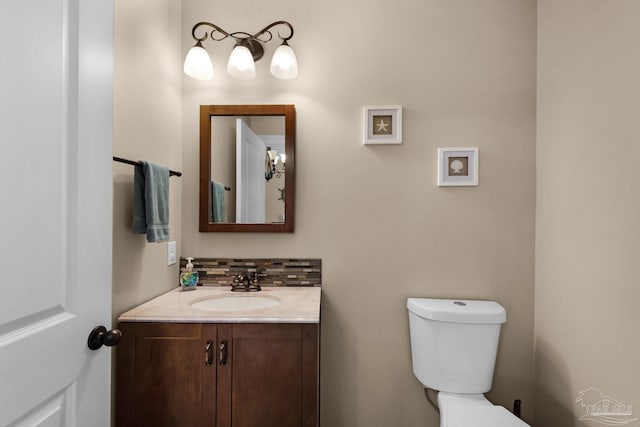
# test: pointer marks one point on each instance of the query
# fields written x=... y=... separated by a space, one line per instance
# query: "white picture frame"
x=458 y=166
x=382 y=124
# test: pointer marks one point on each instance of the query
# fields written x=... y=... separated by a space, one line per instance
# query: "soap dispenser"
x=189 y=278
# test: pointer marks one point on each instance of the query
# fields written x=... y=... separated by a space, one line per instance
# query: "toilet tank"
x=454 y=343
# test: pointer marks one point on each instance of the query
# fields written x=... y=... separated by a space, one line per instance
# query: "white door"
x=55 y=215
x=250 y=165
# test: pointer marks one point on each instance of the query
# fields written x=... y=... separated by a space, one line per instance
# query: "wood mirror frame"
x=206 y=112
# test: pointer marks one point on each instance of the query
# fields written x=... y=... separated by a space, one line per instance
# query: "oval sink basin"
x=235 y=303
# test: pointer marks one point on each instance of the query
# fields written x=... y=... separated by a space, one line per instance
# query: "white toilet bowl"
x=474 y=410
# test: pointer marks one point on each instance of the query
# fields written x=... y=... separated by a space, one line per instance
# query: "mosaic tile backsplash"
x=278 y=271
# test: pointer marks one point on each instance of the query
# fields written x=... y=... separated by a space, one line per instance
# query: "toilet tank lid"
x=458 y=311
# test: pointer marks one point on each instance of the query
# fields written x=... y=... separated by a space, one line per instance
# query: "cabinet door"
x=271 y=375
x=163 y=379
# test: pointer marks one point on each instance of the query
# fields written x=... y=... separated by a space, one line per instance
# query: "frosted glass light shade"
x=273 y=154
x=282 y=158
x=197 y=64
x=284 y=64
x=241 y=65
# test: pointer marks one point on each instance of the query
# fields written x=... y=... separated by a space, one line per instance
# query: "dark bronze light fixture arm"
x=251 y=41
x=266 y=29
x=207 y=34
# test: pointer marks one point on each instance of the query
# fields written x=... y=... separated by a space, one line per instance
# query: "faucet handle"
x=254 y=286
x=239 y=284
x=257 y=276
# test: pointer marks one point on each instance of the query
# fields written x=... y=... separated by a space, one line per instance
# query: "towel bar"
x=133 y=163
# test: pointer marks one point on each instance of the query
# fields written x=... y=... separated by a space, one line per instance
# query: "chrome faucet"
x=246 y=283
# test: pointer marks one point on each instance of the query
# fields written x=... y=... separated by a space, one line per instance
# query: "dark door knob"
x=100 y=336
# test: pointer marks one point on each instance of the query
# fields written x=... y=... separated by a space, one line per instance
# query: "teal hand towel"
x=151 y=201
x=217 y=201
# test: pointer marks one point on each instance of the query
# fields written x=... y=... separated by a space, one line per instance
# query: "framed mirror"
x=247 y=168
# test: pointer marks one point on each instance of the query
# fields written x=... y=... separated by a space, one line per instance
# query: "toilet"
x=453 y=352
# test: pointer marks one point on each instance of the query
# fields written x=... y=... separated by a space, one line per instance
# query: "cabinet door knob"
x=208 y=353
x=222 y=353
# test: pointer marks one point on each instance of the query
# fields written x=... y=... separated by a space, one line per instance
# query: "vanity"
x=212 y=357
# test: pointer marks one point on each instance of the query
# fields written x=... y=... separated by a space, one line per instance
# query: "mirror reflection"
x=246 y=167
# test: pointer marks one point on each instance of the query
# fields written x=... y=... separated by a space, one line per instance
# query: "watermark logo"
x=604 y=409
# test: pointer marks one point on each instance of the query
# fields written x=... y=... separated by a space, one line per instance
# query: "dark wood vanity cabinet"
x=217 y=375
x=161 y=377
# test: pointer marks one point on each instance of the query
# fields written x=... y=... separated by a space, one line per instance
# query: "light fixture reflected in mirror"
x=249 y=48
x=271 y=162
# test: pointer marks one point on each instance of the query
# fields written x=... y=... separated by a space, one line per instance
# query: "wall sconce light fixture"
x=271 y=161
x=249 y=48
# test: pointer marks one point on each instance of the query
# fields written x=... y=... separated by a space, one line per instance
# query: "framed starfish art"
x=382 y=124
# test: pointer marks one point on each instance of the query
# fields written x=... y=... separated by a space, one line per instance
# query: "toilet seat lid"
x=483 y=416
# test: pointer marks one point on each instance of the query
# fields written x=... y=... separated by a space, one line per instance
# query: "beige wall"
x=465 y=73
x=588 y=206
x=147 y=118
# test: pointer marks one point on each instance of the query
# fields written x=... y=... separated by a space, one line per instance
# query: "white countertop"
x=296 y=305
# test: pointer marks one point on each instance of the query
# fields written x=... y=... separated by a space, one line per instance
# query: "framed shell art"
x=457 y=166
x=382 y=124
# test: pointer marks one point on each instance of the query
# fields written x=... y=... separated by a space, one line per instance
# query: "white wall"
x=588 y=206
x=464 y=70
